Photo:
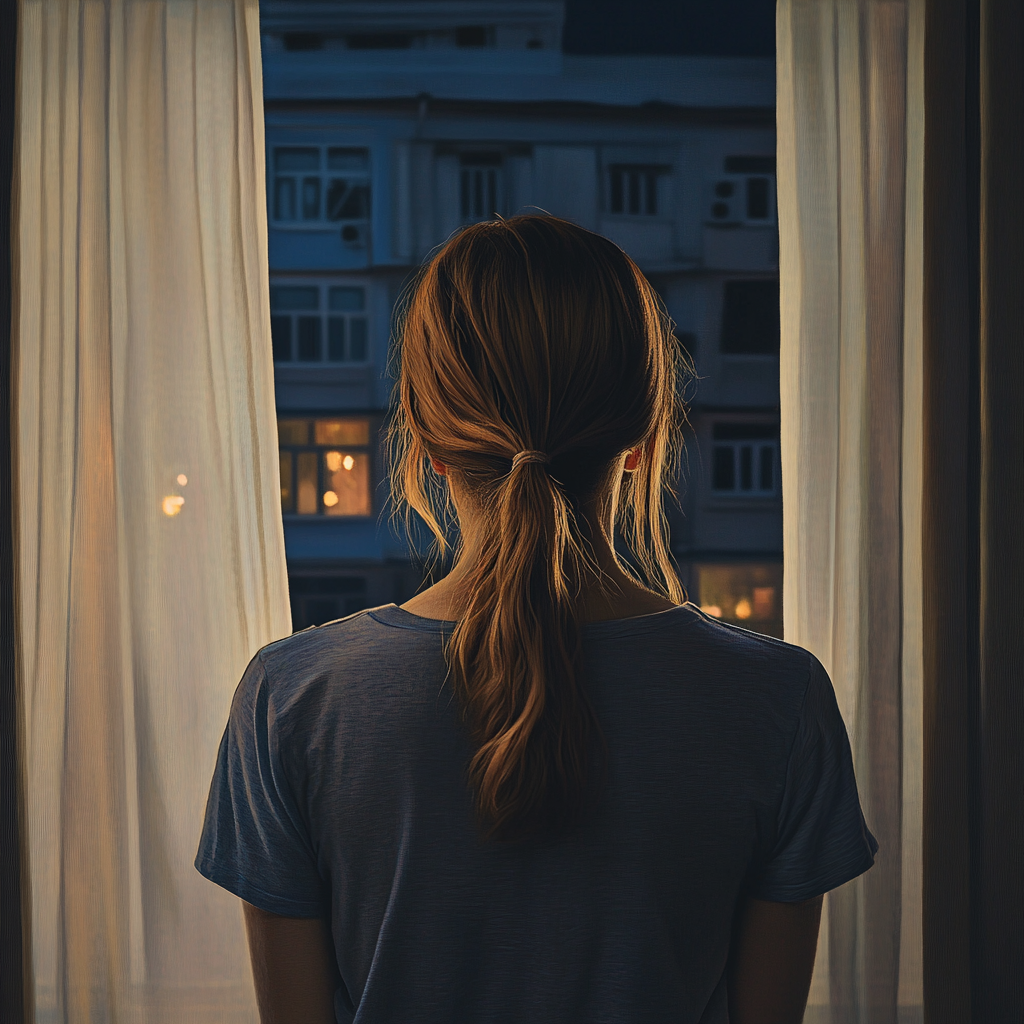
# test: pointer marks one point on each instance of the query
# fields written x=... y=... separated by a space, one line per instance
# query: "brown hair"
x=534 y=334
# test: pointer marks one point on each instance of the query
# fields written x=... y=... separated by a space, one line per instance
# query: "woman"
x=541 y=790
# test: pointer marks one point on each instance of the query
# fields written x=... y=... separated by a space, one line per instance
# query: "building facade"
x=391 y=124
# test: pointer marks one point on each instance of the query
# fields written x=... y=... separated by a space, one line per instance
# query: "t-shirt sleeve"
x=254 y=842
x=821 y=840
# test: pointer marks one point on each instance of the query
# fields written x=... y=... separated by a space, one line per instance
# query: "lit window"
x=317 y=323
x=744 y=459
x=633 y=189
x=325 y=466
x=745 y=594
x=323 y=186
x=480 y=186
x=750 y=318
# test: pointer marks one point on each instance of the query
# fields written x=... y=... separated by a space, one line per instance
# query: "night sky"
x=735 y=28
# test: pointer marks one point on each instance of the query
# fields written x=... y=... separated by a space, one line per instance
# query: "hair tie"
x=528 y=456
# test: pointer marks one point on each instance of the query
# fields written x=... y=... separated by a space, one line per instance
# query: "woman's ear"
x=439 y=467
x=632 y=460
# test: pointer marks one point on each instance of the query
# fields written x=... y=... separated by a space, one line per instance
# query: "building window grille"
x=319 y=323
x=480 y=186
x=750 y=318
x=744 y=459
x=323 y=186
x=325 y=466
x=633 y=189
x=316 y=599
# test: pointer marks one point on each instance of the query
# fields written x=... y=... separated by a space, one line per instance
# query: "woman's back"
x=343 y=785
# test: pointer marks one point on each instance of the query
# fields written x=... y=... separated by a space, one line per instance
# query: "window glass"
x=357 y=340
x=343 y=432
x=480 y=186
x=284 y=199
x=346 y=299
x=750 y=318
x=347 y=483
x=306 y=488
x=281 y=338
x=285 y=298
x=325 y=466
x=750 y=165
x=747 y=594
x=758 y=206
x=633 y=189
x=287 y=498
x=302 y=330
x=291 y=158
x=315 y=186
x=309 y=338
x=319 y=599
x=310 y=198
x=293 y=431
x=340 y=158
x=336 y=339
x=744 y=457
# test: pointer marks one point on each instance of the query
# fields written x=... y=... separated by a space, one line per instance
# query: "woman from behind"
x=547 y=788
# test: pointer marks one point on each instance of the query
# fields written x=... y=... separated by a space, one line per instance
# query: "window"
x=745 y=594
x=633 y=188
x=321 y=186
x=750 y=318
x=480 y=186
x=379 y=40
x=325 y=466
x=317 y=323
x=746 y=193
x=474 y=35
x=302 y=41
x=744 y=459
x=319 y=599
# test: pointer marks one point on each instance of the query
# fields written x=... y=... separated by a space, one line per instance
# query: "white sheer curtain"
x=850 y=76
x=149 y=542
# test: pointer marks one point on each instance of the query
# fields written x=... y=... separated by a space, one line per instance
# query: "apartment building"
x=391 y=124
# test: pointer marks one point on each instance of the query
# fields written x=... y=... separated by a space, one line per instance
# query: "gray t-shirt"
x=340 y=792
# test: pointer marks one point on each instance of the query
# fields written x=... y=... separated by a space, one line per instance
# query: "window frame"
x=321 y=224
x=653 y=171
x=724 y=322
x=323 y=286
x=742 y=181
x=769 y=438
x=487 y=160
x=369 y=450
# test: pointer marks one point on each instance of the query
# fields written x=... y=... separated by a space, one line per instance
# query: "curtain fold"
x=849 y=165
x=150 y=551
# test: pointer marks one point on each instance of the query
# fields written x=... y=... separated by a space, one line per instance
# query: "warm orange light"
x=711 y=609
x=348 y=462
x=330 y=498
x=333 y=461
x=182 y=479
x=743 y=608
x=172 y=504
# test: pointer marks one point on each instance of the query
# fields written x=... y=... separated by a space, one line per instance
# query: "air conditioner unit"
x=741 y=199
x=355 y=235
x=727 y=200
